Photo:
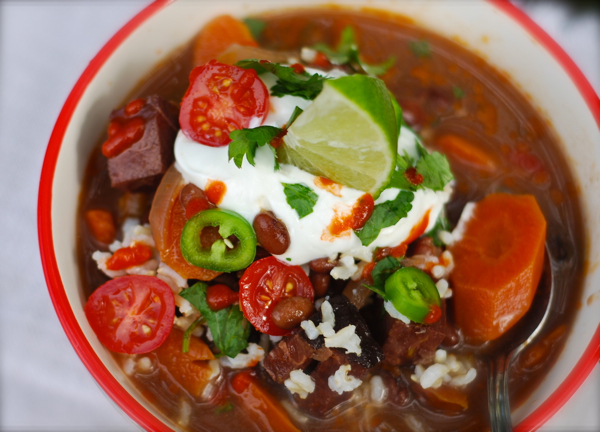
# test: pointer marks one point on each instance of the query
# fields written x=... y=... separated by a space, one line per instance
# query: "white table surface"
x=44 y=47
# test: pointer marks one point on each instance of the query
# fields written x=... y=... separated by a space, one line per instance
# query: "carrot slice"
x=217 y=35
x=167 y=219
x=465 y=152
x=101 y=224
x=191 y=370
x=262 y=408
x=498 y=265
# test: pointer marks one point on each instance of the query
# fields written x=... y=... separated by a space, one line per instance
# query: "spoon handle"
x=498 y=400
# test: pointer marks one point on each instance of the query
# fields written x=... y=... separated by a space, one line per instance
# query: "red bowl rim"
x=84 y=350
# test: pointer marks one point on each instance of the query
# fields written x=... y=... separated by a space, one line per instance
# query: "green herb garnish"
x=383 y=270
x=434 y=168
x=458 y=92
x=384 y=215
x=244 y=142
x=255 y=26
x=300 y=197
x=346 y=53
x=289 y=82
x=420 y=48
x=188 y=334
x=228 y=326
x=226 y=407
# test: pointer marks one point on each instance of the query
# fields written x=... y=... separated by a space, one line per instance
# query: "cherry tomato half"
x=131 y=314
x=264 y=284
x=220 y=99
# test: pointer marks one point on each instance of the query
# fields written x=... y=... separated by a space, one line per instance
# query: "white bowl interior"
x=477 y=25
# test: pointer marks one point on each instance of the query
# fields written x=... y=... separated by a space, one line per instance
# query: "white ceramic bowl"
x=509 y=41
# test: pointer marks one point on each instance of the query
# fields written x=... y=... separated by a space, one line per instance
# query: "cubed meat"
x=412 y=343
x=291 y=353
x=346 y=314
x=324 y=399
x=139 y=155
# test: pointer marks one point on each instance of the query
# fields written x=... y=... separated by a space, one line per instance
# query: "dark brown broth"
x=491 y=113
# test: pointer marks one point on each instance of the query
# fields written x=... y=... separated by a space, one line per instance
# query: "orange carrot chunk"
x=218 y=35
x=262 y=408
x=191 y=370
x=101 y=224
x=498 y=264
x=465 y=152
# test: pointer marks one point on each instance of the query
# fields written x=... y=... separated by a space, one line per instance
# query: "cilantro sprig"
x=244 y=142
x=347 y=53
x=385 y=215
x=420 y=48
x=434 y=168
x=289 y=82
x=383 y=270
x=229 y=328
x=255 y=26
x=300 y=197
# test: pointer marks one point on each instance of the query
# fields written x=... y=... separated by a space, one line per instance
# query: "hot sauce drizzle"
x=215 y=191
x=328 y=185
x=343 y=222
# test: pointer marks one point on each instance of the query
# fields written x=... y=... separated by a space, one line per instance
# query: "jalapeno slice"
x=223 y=255
x=414 y=295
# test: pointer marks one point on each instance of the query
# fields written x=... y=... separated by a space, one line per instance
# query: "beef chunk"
x=145 y=161
x=346 y=314
x=323 y=399
x=291 y=353
x=412 y=343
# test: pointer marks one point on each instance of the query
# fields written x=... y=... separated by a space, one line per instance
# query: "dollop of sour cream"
x=254 y=189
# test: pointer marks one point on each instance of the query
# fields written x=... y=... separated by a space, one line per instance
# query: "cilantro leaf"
x=420 y=48
x=346 y=53
x=226 y=407
x=289 y=82
x=378 y=69
x=384 y=215
x=294 y=116
x=229 y=327
x=441 y=224
x=384 y=269
x=300 y=197
x=458 y=92
x=255 y=26
x=399 y=180
x=434 y=168
x=377 y=290
x=244 y=142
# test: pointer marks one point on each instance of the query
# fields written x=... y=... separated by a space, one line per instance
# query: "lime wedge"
x=349 y=134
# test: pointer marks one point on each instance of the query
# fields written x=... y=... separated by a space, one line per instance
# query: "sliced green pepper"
x=221 y=256
x=414 y=295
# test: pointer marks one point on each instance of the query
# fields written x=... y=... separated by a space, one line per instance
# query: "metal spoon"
x=502 y=352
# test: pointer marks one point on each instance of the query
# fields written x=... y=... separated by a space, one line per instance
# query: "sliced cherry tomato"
x=221 y=98
x=131 y=314
x=264 y=284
